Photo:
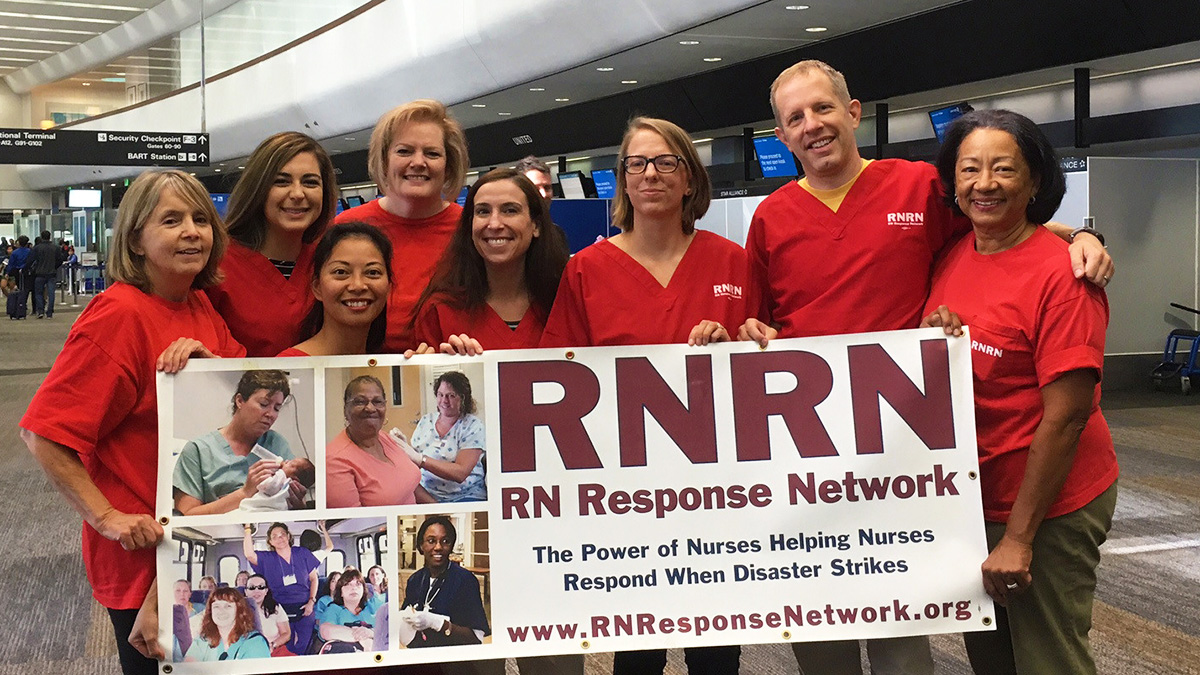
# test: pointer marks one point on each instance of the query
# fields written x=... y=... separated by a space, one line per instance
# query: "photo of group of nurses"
x=404 y=435
x=284 y=589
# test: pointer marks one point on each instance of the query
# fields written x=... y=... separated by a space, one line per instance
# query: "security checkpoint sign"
x=103 y=148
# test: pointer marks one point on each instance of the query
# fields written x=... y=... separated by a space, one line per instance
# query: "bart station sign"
x=102 y=148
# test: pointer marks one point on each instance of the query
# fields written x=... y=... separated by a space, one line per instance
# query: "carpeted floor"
x=1147 y=617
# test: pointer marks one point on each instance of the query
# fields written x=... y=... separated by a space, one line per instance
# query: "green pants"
x=1045 y=629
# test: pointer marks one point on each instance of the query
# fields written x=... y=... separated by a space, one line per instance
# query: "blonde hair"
x=127 y=266
x=804 y=67
x=421 y=110
x=695 y=202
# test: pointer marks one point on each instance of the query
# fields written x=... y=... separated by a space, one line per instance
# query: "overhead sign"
x=102 y=148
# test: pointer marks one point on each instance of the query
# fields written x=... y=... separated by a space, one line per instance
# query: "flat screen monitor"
x=774 y=158
x=606 y=183
x=462 y=196
x=83 y=199
x=355 y=200
x=942 y=117
x=572 y=184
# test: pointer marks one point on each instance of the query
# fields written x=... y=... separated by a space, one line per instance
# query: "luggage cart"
x=1181 y=342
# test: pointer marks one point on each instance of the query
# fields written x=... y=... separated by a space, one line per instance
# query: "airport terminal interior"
x=1115 y=85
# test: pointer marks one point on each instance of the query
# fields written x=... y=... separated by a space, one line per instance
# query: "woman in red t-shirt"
x=93 y=424
x=495 y=284
x=278 y=210
x=1047 y=467
x=658 y=282
x=351 y=278
x=418 y=160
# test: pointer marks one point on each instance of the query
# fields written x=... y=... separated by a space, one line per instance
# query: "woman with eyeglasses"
x=364 y=466
x=659 y=281
x=448 y=444
x=274 y=621
x=227 y=630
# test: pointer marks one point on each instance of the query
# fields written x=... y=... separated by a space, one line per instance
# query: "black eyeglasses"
x=662 y=163
x=256 y=588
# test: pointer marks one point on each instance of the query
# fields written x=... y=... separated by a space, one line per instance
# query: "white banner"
x=624 y=498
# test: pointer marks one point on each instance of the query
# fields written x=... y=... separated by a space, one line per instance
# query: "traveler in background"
x=654 y=284
x=44 y=264
x=1047 y=467
x=496 y=282
x=18 y=279
x=278 y=210
x=167 y=244
x=351 y=279
x=538 y=173
x=418 y=159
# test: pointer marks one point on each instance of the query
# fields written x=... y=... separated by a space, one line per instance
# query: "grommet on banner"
x=379 y=658
x=167 y=668
x=371 y=363
x=972 y=475
x=585 y=644
x=570 y=355
x=164 y=520
x=987 y=620
x=787 y=635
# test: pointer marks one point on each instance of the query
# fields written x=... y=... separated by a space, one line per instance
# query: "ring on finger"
x=1011 y=585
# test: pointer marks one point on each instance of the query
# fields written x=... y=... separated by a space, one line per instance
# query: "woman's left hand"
x=942 y=317
x=176 y=355
x=1006 y=570
x=707 y=331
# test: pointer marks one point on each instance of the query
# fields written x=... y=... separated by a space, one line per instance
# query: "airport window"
x=228 y=568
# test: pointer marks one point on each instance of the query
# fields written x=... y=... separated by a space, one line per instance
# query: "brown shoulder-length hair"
x=243 y=622
x=421 y=110
x=138 y=206
x=460 y=277
x=350 y=576
x=695 y=202
x=246 y=219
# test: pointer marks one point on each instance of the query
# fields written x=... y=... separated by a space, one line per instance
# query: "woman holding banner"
x=1047 y=467
x=93 y=424
x=278 y=209
x=655 y=283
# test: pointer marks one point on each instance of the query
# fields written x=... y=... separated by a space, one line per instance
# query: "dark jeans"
x=43 y=294
x=132 y=661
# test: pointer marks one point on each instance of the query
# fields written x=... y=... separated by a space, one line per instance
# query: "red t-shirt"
x=263 y=310
x=292 y=351
x=865 y=267
x=100 y=400
x=438 y=321
x=416 y=247
x=1031 y=322
x=607 y=298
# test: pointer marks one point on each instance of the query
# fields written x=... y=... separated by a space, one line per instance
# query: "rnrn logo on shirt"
x=727 y=291
x=906 y=219
x=986 y=349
